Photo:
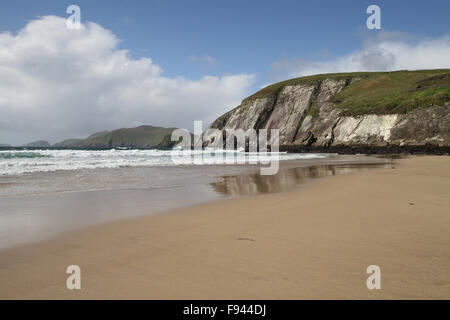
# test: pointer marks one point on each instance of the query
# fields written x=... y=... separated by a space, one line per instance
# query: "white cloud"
x=387 y=52
x=57 y=83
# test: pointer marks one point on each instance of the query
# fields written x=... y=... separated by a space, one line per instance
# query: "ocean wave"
x=20 y=162
x=29 y=155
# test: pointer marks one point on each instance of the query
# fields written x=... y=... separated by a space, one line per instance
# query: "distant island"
x=145 y=136
x=37 y=144
x=142 y=137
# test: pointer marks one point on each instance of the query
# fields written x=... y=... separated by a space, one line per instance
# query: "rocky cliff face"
x=308 y=115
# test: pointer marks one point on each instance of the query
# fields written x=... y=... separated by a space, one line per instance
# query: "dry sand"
x=313 y=242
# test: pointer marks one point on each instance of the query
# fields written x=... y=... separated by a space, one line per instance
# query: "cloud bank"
x=387 y=52
x=57 y=83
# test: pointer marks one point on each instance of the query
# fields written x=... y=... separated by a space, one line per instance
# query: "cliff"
x=403 y=109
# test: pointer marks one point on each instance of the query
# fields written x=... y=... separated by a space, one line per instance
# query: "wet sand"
x=313 y=242
x=38 y=206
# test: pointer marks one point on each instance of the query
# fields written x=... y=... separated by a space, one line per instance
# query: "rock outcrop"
x=308 y=115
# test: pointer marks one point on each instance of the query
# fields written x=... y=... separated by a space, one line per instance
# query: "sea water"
x=15 y=162
x=44 y=193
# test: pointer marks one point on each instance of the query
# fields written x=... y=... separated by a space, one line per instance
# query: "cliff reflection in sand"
x=249 y=184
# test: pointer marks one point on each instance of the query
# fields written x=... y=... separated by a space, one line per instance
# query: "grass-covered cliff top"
x=379 y=92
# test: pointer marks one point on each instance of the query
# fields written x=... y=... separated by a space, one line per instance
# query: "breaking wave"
x=29 y=155
x=19 y=162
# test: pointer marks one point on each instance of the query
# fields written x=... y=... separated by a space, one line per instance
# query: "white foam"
x=55 y=160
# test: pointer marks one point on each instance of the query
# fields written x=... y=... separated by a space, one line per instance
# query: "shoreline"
x=407 y=149
x=426 y=149
x=72 y=200
x=311 y=242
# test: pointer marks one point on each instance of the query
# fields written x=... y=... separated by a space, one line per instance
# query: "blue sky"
x=241 y=36
x=169 y=63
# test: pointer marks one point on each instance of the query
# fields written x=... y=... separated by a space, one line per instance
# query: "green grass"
x=395 y=92
x=379 y=92
x=275 y=88
x=313 y=112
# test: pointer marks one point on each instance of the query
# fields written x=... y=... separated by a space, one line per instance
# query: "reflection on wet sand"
x=248 y=184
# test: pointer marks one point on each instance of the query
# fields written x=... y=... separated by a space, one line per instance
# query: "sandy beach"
x=313 y=242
